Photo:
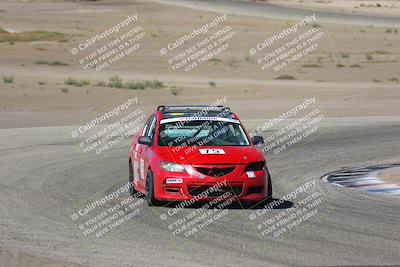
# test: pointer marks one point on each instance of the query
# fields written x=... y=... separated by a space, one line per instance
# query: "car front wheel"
x=150 y=198
x=269 y=196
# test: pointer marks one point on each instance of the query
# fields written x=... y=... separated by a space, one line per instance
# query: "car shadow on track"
x=236 y=205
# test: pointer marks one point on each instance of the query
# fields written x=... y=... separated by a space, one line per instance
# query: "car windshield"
x=202 y=133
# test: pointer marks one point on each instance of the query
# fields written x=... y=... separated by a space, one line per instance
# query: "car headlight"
x=255 y=166
x=171 y=167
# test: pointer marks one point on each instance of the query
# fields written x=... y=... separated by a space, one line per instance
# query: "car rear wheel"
x=132 y=190
x=150 y=198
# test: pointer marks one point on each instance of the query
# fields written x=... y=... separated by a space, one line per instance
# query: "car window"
x=147 y=126
x=152 y=128
x=202 y=133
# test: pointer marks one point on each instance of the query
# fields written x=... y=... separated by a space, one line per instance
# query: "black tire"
x=269 y=194
x=132 y=190
x=150 y=199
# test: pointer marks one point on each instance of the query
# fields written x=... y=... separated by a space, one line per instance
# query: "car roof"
x=178 y=111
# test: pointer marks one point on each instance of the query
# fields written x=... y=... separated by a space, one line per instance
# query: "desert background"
x=354 y=72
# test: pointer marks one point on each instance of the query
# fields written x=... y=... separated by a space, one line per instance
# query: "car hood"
x=210 y=155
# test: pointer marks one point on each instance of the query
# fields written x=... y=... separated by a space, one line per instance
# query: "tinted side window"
x=152 y=128
x=147 y=126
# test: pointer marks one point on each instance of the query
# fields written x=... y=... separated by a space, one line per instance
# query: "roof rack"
x=191 y=108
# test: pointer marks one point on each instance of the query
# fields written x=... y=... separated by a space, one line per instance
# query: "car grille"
x=255 y=190
x=196 y=190
x=215 y=171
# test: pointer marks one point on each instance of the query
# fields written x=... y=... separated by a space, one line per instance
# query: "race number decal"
x=212 y=151
x=142 y=168
x=135 y=170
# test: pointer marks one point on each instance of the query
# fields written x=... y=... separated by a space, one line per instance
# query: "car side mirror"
x=257 y=140
x=144 y=140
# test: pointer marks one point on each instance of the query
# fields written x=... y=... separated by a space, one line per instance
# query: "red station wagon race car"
x=197 y=152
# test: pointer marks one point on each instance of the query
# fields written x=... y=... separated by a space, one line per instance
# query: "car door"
x=143 y=160
x=136 y=151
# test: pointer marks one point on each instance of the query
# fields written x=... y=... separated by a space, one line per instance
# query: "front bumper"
x=193 y=185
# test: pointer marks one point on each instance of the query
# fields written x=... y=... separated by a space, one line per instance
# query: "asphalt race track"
x=262 y=9
x=45 y=176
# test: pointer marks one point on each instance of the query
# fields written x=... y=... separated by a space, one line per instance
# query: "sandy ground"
x=38 y=95
x=391 y=175
x=371 y=7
